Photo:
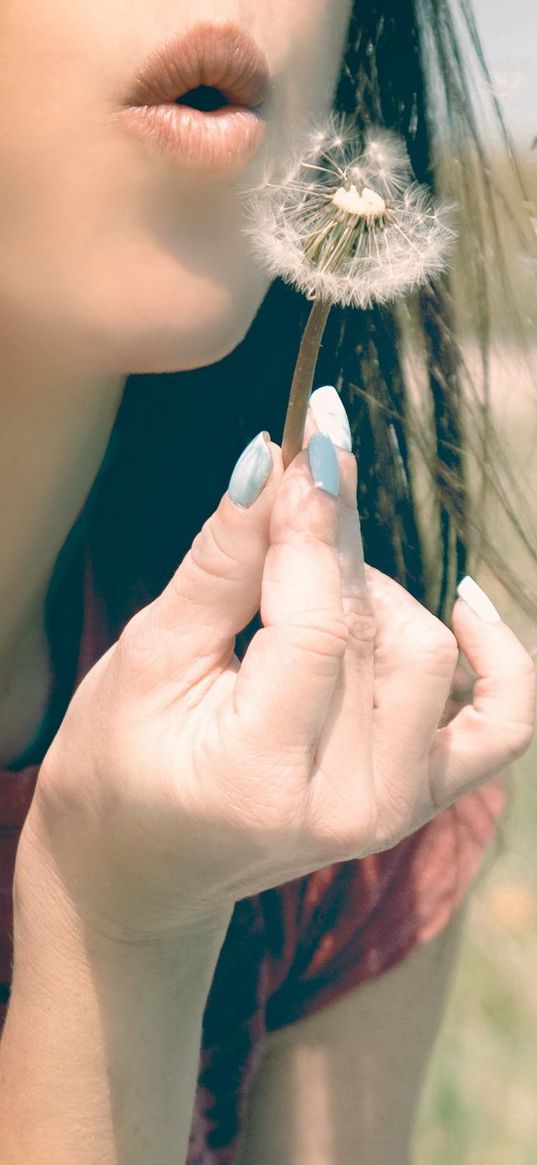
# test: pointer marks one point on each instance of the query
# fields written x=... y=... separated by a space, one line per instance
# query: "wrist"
x=44 y=905
x=100 y=1034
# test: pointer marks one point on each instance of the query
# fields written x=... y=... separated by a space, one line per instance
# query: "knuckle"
x=323 y=638
x=208 y=556
x=431 y=639
x=356 y=836
x=344 y=826
x=210 y=551
x=362 y=631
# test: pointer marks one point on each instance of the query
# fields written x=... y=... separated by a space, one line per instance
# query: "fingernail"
x=251 y=472
x=331 y=417
x=476 y=598
x=323 y=463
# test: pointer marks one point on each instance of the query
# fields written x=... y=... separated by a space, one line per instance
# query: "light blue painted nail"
x=323 y=463
x=330 y=416
x=251 y=472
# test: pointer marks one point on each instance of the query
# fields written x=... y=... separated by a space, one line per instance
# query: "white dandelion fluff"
x=347 y=223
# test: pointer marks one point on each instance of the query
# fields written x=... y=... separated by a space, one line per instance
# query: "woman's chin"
x=181 y=350
x=113 y=326
x=192 y=335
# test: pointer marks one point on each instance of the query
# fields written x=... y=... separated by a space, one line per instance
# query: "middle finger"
x=345 y=746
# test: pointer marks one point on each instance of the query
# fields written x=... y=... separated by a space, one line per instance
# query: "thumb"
x=216 y=590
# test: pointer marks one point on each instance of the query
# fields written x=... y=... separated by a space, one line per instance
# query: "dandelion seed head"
x=362 y=203
x=347 y=222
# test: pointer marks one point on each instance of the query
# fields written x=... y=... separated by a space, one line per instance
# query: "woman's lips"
x=217 y=140
x=222 y=57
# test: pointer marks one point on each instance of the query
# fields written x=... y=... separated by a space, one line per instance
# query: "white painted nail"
x=330 y=416
x=476 y=598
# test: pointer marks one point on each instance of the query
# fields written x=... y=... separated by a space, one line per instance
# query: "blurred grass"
x=479 y=1104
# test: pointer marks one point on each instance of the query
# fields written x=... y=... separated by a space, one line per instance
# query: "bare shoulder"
x=342 y=1086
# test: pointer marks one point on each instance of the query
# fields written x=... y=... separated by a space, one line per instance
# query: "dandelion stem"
x=295 y=417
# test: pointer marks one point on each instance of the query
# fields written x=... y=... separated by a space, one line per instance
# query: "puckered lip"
x=220 y=56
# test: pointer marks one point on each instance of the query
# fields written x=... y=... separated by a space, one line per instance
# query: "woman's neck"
x=54 y=432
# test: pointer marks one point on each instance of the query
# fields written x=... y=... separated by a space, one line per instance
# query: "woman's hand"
x=182 y=780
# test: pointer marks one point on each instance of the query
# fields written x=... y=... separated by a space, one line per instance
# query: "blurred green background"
x=479 y=1105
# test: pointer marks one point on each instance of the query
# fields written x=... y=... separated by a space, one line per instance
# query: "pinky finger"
x=498 y=726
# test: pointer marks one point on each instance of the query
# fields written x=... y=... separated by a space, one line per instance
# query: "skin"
x=114 y=261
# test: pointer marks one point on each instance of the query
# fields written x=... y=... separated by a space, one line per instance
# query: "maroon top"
x=291 y=950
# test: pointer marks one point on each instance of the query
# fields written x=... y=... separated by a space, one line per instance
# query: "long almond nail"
x=251 y=472
x=479 y=602
x=330 y=416
x=324 y=463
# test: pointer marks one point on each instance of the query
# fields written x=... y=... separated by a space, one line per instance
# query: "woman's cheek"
x=129 y=273
x=306 y=61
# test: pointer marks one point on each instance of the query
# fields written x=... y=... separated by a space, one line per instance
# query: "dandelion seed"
x=347 y=225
